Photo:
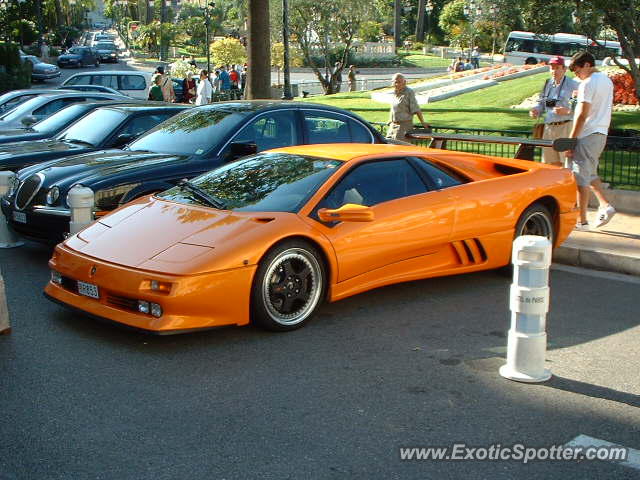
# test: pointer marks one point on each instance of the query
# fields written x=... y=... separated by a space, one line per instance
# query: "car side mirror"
x=349 y=212
x=239 y=149
x=29 y=120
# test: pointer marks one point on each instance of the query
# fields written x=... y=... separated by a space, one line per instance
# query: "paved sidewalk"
x=615 y=247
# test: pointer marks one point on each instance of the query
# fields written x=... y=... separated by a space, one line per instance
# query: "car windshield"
x=267 y=182
x=33 y=59
x=106 y=46
x=59 y=119
x=193 y=132
x=93 y=128
x=76 y=50
x=23 y=109
x=10 y=100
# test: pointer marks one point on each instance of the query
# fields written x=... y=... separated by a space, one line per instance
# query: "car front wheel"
x=288 y=287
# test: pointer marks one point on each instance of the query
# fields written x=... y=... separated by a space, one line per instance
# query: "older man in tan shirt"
x=403 y=107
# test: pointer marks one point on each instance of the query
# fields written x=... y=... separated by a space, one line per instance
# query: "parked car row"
x=260 y=210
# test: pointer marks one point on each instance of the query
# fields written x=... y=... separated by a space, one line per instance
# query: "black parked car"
x=105 y=127
x=191 y=143
x=107 y=52
x=56 y=123
x=79 y=57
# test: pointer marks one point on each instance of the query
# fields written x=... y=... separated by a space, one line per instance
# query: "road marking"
x=596 y=273
x=633 y=456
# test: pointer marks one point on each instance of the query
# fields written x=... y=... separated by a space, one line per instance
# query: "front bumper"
x=45 y=225
x=193 y=303
x=46 y=75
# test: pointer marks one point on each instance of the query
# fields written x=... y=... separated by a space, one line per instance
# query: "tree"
x=259 y=76
x=277 y=57
x=326 y=28
x=228 y=51
x=591 y=17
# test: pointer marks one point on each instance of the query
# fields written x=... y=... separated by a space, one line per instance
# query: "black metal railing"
x=619 y=164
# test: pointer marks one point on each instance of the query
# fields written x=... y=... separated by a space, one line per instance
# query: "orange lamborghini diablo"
x=269 y=237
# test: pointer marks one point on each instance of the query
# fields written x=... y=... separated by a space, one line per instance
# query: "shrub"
x=13 y=73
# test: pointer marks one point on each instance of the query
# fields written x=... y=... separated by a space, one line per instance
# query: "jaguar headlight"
x=13 y=186
x=53 y=195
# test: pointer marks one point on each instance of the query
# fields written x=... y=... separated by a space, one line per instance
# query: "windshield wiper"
x=202 y=195
x=78 y=142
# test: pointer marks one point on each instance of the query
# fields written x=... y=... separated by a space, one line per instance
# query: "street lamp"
x=430 y=6
x=494 y=10
x=473 y=11
x=207 y=8
x=286 y=91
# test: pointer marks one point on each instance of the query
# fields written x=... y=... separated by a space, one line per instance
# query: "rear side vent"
x=263 y=219
x=470 y=251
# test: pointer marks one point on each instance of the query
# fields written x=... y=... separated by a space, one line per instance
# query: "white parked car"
x=133 y=83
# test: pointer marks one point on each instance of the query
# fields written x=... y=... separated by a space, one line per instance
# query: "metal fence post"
x=529 y=303
x=81 y=202
x=8 y=239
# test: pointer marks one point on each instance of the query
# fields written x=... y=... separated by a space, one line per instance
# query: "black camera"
x=550 y=103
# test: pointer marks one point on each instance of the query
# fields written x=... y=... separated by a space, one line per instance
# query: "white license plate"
x=88 y=290
x=19 y=217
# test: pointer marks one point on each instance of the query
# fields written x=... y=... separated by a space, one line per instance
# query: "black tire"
x=536 y=220
x=97 y=64
x=531 y=61
x=80 y=64
x=288 y=287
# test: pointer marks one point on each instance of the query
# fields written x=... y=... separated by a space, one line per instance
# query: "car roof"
x=69 y=93
x=351 y=151
x=255 y=105
x=144 y=105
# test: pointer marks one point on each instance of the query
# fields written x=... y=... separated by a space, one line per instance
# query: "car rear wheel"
x=97 y=64
x=288 y=286
x=536 y=220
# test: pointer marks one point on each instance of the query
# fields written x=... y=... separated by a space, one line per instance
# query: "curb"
x=597 y=259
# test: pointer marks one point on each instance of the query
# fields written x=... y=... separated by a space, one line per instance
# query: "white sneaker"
x=583 y=227
x=605 y=215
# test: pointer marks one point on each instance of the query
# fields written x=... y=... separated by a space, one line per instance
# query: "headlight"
x=53 y=195
x=113 y=54
x=13 y=186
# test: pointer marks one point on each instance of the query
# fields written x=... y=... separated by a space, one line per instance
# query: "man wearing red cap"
x=555 y=105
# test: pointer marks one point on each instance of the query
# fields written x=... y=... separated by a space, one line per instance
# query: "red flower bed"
x=624 y=89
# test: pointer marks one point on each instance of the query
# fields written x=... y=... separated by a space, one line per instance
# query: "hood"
x=152 y=234
x=20 y=135
x=99 y=166
x=29 y=153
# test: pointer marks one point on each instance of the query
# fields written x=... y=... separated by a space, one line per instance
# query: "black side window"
x=325 y=127
x=80 y=80
x=52 y=107
x=272 y=130
x=439 y=177
x=360 y=133
x=131 y=82
x=375 y=182
x=139 y=125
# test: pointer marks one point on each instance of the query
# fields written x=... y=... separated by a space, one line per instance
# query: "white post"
x=5 y=328
x=529 y=303
x=80 y=200
x=8 y=239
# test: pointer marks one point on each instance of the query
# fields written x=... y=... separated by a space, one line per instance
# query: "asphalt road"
x=408 y=365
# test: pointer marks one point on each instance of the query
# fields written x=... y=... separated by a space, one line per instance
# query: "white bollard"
x=8 y=239
x=80 y=200
x=5 y=328
x=529 y=303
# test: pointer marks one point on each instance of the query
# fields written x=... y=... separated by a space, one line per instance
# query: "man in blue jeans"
x=590 y=127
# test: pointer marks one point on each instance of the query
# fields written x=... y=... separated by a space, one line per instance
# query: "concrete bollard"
x=5 y=328
x=529 y=303
x=8 y=239
x=80 y=200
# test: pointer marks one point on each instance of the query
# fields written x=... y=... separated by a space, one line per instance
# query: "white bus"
x=531 y=48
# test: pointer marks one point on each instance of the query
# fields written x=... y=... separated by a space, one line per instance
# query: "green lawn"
x=487 y=108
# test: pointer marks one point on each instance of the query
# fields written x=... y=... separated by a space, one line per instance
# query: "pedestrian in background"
x=188 y=88
x=225 y=81
x=205 y=90
x=337 y=76
x=155 y=92
x=475 y=58
x=554 y=107
x=590 y=127
x=403 y=107
x=166 y=84
x=351 y=78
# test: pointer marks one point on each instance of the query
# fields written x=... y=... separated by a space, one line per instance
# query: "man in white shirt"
x=590 y=127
